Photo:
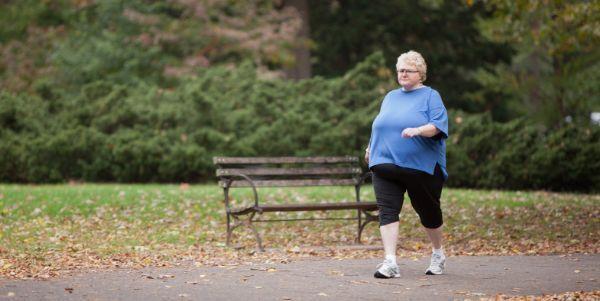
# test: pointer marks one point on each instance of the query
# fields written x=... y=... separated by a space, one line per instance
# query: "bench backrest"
x=287 y=171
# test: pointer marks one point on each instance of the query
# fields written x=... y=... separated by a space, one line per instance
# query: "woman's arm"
x=429 y=130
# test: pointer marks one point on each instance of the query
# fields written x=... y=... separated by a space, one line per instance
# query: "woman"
x=407 y=153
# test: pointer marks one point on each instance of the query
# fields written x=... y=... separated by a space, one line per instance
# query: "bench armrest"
x=245 y=177
x=359 y=181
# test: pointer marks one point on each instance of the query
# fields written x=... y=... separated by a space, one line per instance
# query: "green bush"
x=522 y=155
x=143 y=133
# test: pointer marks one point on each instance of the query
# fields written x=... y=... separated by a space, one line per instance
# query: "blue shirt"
x=403 y=109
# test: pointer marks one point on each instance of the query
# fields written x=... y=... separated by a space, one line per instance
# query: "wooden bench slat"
x=289 y=171
x=283 y=160
x=292 y=183
x=369 y=206
x=319 y=206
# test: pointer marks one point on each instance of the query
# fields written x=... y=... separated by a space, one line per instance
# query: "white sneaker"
x=436 y=267
x=387 y=269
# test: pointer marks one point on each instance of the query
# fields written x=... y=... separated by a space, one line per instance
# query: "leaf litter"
x=140 y=226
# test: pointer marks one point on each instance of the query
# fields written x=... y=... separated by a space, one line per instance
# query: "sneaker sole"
x=382 y=276
x=429 y=272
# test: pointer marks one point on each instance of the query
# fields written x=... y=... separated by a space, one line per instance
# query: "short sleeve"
x=438 y=116
x=381 y=108
x=384 y=102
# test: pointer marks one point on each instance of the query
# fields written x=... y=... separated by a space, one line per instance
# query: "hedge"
x=143 y=133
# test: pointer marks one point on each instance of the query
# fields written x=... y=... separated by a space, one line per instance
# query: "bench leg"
x=248 y=222
x=231 y=225
x=258 y=240
x=361 y=226
x=229 y=229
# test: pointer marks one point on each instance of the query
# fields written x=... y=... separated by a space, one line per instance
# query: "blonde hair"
x=415 y=59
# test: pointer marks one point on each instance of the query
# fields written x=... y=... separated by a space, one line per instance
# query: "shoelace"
x=435 y=260
x=384 y=262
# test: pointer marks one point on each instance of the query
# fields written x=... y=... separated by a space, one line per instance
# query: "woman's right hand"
x=367 y=155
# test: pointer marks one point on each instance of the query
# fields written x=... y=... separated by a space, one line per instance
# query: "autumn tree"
x=70 y=43
x=555 y=72
x=445 y=32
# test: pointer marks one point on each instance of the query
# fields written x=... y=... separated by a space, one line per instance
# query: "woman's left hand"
x=411 y=132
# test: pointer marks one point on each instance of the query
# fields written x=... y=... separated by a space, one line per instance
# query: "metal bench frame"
x=251 y=172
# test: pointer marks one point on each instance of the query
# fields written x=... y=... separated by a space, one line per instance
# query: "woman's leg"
x=435 y=236
x=438 y=259
x=389 y=236
x=390 y=195
x=425 y=192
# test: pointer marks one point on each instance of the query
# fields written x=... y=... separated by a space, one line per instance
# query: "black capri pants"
x=390 y=182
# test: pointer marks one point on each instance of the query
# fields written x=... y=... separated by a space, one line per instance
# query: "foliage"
x=555 y=72
x=139 y=132
x=72 y=43
x=149 y=91
x=522 y=155
x=445 y=32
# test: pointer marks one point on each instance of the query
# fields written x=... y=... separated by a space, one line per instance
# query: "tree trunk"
x=301 y=68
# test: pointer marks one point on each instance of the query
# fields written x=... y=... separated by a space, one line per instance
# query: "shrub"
x=144 y=133
x=522 y=155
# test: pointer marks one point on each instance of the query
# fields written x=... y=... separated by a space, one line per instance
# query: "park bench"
x=257 y=172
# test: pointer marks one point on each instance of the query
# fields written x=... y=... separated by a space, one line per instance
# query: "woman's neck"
x=417 y=86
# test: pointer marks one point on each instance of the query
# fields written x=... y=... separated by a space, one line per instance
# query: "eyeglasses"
x=406 y=71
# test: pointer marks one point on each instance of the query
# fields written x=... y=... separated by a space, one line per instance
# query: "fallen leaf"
x=335 y=273
x=69 y=289
x=64 y=248
x=140 y=248
x=359 y=281
x=323 y=294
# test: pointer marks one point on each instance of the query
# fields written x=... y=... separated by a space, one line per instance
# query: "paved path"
x=466 y=278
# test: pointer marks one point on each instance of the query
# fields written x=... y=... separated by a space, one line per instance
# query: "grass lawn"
x=46 y=229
